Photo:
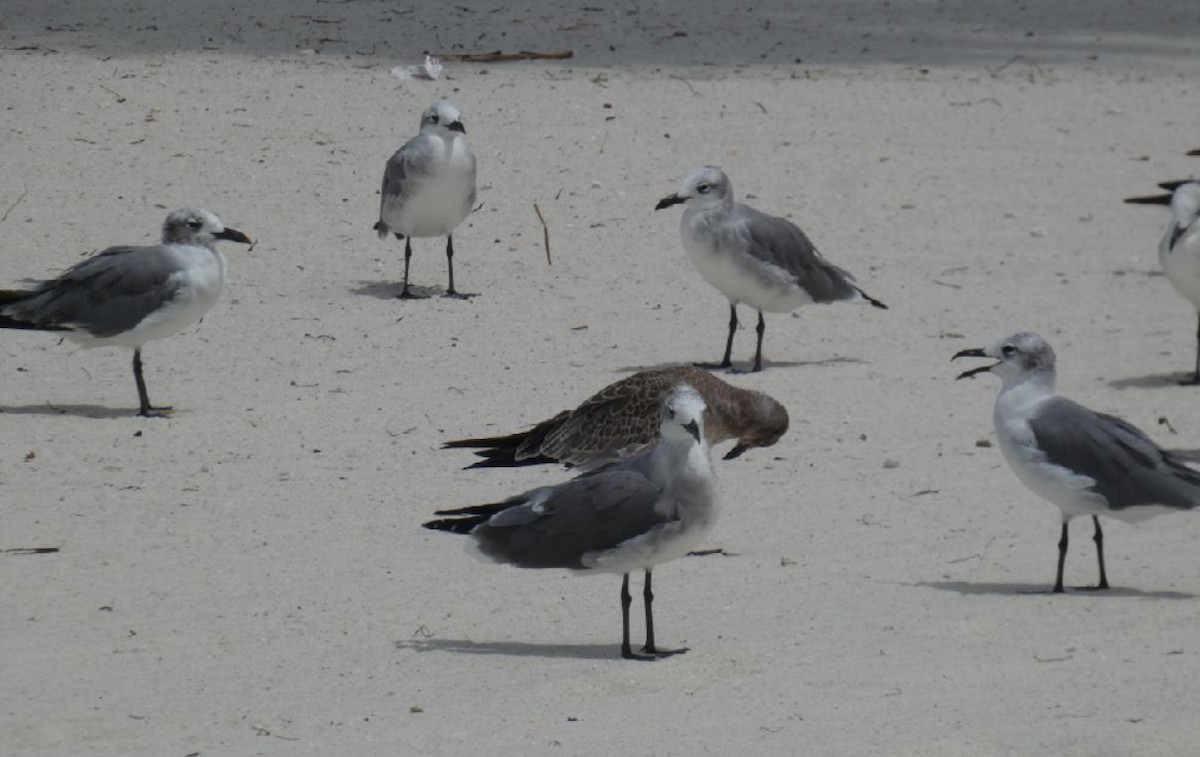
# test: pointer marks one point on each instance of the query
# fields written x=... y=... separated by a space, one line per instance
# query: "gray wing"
x=106 y=294
x=1129 y=469
x=780 y=242
x=553 y=527
x=401 y=175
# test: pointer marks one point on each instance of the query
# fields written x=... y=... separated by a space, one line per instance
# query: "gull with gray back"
x=1179 y=249
x=622 y=420
x=429 y=186
x=128 y=296
x=1086 y=463
x=760 y=260
x=632 y=515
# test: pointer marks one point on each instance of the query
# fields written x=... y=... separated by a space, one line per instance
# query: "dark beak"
x=458 y=127
x=974 y=371
x=668 y=201
x=1194 y=152
x=1150 y=200
x=693 y=428
x=736 y=452
x=233 y=235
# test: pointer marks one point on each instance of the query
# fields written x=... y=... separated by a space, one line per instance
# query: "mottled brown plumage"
x=622 y=420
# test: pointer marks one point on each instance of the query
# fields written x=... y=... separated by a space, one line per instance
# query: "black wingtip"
x=1149 y=200
x=874 y=302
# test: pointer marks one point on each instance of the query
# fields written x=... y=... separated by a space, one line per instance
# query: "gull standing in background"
x=1085 y=462
x=632 y=515
x=429 y=186
x=761 y=260
x=128 y=296
x=1179 y=250
x=622 y=420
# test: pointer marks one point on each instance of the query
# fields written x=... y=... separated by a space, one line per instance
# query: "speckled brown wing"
x=619 y=421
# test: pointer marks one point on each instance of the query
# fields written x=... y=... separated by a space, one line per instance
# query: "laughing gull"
x=765 y=261
x=1179 y=250
x=429 y=186
x=1085 y=462
x=132 y=295
x=632 y=515
x=622 y=420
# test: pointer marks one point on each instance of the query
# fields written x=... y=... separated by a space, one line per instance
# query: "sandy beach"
x=249 y=576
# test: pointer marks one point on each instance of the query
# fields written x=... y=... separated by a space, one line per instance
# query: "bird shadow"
x=742 y=369
x=81 y=411
x=390 y=290
x=513 y=648
x=1149 y=381
x=1019 y=589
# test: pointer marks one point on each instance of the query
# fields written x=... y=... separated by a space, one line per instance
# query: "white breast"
x=1181 y=263
x=200 y=280
x=738 y=275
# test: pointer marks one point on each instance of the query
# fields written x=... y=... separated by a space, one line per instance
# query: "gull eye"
x=433 y=119
x=671 y=412
x=194 y=223
x=1008 y=349
x=703 y=188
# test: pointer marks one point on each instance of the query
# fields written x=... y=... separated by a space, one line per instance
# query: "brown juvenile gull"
x=1086 y=463
x=762 y=260
x=429 y=186
x=622 y=420
x=132 y=295
x=632 y=515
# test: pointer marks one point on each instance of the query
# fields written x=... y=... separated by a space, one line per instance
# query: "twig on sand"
x=545 y=232
x=501 y=57
x=15 y=204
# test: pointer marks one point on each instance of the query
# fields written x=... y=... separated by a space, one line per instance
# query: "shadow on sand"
x=81 y=411
x=514 y=648
x=1018 y=589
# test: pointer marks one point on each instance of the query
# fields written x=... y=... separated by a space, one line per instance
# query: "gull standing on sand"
x=632 y=515
x=1086 y=463
x=129 y=296
x=622 y=420
x=429 y=186
x=761 y=260
x=1179 y=250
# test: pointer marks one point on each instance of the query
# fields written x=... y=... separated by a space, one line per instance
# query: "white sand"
x=249 y=577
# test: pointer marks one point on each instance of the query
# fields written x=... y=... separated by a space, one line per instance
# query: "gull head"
x=442 y=116
x=1021 y=356
x=707 y=188
x=683 y=414
x=198 y=227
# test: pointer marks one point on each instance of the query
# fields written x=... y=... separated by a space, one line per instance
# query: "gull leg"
x=1099 y=539
x=650 y=648
x=726 y=362
x=626 y=601
x=1195 y=377
x=404 y=293
x=761 y=329
x=145 y=409
x=1062 y=559
x=450 y=292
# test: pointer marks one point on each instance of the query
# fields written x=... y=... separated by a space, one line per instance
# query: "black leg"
x=404 y=295
x=1195 y=377
x=1062 y=559
x=761 y=329
x=648 y=599
x=727 y=361
x=450 y=263
x=1099 y=539
x=145 y=409
x=626 y=601
x=651 y=648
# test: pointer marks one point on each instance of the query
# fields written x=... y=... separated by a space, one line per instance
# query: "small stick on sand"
x=545 y=232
